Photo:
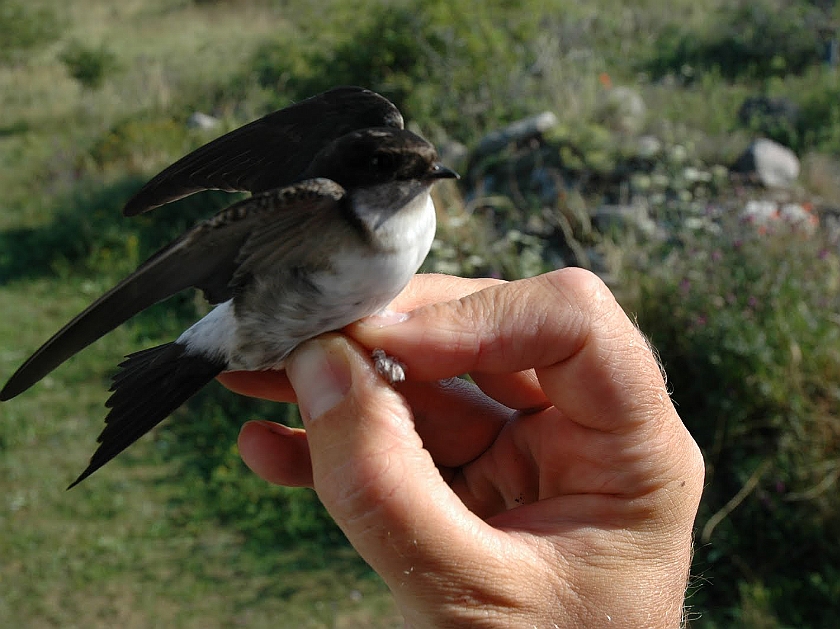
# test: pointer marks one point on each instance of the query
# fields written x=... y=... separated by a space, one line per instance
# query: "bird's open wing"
x=270 y=152
x=206 y=257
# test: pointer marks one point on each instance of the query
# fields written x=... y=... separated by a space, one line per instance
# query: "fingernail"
x=385 y=318
x=319 y=377
x=277 y=429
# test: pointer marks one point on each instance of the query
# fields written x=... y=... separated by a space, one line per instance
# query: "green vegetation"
x=89 y=66
x=176 y=532
x=751 y=343
x=747 y=40
x=24 y=28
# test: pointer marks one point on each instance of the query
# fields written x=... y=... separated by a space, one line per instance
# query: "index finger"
x=423 y=289
x=430 y=288
x=592 y=362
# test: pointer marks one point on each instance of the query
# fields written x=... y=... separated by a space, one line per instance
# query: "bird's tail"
x=150 y=385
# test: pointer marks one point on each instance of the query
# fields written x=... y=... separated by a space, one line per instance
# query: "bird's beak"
x=439 y=171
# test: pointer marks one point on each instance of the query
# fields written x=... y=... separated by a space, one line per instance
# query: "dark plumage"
x=283 y=266
x=270 y=152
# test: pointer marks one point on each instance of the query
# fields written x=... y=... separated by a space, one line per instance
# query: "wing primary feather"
x=150 y=386
x=283 y=142
x=207 y=257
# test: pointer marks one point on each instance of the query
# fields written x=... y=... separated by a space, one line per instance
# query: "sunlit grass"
x=140 y=544
x=122 y=549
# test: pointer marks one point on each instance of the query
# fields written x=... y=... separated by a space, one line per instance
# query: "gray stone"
x=622 y=109
x=199 y=120
x=772 y=164
x=648 y=147
x=524 y=129
x=635 y=217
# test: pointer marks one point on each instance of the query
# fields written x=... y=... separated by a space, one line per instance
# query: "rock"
x=636 y=217
x=648 y=147
x=524 y=129
x=622 y=109
x=772 y=164
x=766 y=214
x=760 y=212
x=199 y=120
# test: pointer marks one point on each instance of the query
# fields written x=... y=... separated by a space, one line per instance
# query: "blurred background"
x=688 y=152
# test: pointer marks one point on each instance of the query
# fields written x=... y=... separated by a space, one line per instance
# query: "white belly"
x=288 y=308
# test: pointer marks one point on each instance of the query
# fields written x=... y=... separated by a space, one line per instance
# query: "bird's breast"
x=281 y=309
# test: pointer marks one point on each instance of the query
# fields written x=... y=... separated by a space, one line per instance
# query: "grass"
x=134 y=545
x=163 y=49
x=125 y=548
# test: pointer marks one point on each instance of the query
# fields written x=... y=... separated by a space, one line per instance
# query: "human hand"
x=559 y=490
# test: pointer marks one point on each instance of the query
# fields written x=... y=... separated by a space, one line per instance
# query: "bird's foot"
x=388 y=367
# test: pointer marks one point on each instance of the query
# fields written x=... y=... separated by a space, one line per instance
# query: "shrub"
x=140 y=141
x=746 y=325
x=89 y=66
x=746 y=40
x=89 y=233
x=820 y=126
x=409 y=51
x=217 y=485
x=24 y=28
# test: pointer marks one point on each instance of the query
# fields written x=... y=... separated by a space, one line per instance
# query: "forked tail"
x=150 y=385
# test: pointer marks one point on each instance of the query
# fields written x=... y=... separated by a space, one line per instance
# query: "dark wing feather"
x=283 y=237
x=270 y=152
x=206 y=257
x=150 y=386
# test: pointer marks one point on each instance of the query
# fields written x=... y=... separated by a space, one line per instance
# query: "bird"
x=281 y=267
x=269 y=152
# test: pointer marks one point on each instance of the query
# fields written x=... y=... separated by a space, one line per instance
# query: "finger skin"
x=565 y=324
x=574 y=512
x=276 y=453
x=520 y=390
x=267 y=385
x=455 y=421
x=431 y=288
x=422 y=290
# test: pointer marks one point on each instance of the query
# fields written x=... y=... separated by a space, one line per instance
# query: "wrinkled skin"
x=558 y=490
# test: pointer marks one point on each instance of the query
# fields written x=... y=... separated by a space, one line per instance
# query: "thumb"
x=368 y=463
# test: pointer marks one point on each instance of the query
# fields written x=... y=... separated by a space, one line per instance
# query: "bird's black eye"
x=383 y=161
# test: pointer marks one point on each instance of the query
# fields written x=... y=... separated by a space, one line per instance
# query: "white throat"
x=398 y=218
